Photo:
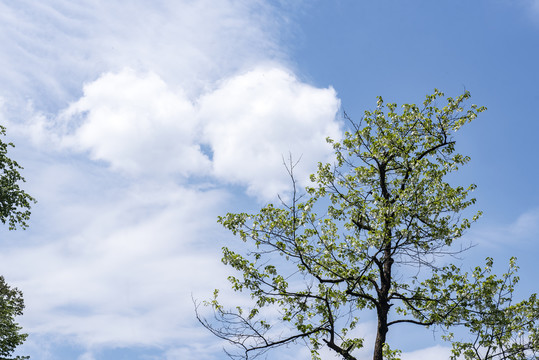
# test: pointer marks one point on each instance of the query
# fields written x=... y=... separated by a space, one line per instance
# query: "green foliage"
x=15 y=204
x=500 y=328
x=15 y=207
x=11 y=305
x=316 y=263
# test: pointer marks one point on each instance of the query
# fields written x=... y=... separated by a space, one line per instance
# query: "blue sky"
x=139 y=122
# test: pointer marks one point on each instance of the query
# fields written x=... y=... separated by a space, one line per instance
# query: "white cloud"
x=49 y=48
x=196 y=351
x=86 y=356
x=185 y=58
x=127 y=270
x=252 y=120
x=137 y=124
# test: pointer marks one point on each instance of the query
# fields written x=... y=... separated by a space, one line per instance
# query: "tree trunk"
x=383 y=303
x=381 y=332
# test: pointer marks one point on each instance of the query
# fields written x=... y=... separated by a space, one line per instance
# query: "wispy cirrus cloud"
x=521 y=230
x=50 y=48
x=534 y=4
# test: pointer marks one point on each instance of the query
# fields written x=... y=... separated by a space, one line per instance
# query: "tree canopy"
x=15 y=206
x=354 y=241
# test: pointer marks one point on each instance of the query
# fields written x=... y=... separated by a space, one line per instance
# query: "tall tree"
x=15 y=206
x=354 y=240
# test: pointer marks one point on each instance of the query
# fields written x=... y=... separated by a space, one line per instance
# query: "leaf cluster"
x=11 y=305
x=500 y=327
x=15 y=203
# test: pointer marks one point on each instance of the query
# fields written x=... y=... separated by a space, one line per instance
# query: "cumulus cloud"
x=136 y=123
x=254 y=119
x=166 y=86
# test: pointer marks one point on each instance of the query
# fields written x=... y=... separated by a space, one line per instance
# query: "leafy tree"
x=355 y=240
x=15 y=207
x=11 y=305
